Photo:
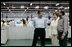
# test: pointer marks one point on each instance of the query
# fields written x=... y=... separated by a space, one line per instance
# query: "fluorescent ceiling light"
x=13 y=7
x=37 y=7
x=4 y=4
x=61 y=7
x=30 y=4
x=46 y=7
x=57 y=4
x=22 y=6
x=65 y=7
x=7 y=7
x=27 y=7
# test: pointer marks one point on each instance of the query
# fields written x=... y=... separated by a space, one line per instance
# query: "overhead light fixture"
x=65 y=7
x=13 y=6
x=7 y=7
x=27 y=7
x=22 y=6
x=30 y=4
x=4 y=4
x=57 y=4
x=46 y=7
x=37 y=7
x=61 y=7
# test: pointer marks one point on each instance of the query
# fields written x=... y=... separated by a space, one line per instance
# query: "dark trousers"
x=39 y=32
x=64 y=41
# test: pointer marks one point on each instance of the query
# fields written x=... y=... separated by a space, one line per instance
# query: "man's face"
x=60 y=14
x=40 y=15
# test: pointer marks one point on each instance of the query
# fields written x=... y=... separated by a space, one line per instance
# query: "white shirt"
x=39 y=22
x=53 y=27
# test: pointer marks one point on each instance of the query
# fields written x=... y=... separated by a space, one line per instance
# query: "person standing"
x=62 y=29
x=49 y=20
x=40 y=25
x=3 y=24
x=24 y=23
x=53 y=30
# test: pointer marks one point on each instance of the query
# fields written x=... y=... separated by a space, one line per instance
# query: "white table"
x=3 y=35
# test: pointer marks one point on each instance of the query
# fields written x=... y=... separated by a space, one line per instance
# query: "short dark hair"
x=39 y=12
x=63 y=13
x=3 y=21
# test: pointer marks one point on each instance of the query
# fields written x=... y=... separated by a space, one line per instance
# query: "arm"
x=65 y=26
x=45 y=23
x=34 y=23
x=50 y=29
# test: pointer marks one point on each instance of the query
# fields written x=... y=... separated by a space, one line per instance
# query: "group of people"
x=58 y=30
x=3 y=22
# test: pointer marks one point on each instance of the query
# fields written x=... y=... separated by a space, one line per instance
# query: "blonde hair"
x=56 y=14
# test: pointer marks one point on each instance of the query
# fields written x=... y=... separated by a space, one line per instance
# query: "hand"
x=50 y=37
x=62 y=37
x=57 y=37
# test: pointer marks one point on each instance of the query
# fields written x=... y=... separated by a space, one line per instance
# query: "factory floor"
x=28 y=42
